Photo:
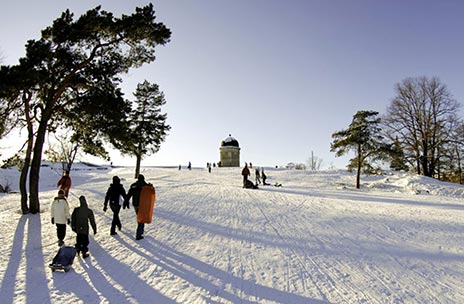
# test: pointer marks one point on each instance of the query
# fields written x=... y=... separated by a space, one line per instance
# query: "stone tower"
x=230 y=152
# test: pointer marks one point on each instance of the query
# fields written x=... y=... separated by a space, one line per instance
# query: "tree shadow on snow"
x=35 y=278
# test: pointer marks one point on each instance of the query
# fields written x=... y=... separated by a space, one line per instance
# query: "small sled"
x=63 y=260
x=146 y=204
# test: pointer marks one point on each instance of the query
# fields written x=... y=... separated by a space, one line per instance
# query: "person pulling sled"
x=80 y=219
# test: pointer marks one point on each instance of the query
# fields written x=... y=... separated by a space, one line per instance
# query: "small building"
x=229 y=152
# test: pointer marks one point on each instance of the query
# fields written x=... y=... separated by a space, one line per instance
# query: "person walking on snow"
x=80 y=219
x=258 y=177
x=134 y=193
x=115 y=195
x=60 y=216
x=264 y=177
x=65 y=183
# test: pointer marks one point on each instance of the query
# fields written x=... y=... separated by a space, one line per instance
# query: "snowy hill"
x=400 y=239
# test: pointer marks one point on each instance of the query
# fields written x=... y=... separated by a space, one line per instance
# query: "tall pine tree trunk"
x=34 y=203
x=358 y=172
x=23 y=177
x=27 y=158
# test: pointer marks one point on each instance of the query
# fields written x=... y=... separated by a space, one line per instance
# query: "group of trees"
x=69 y=82
x=421 y=130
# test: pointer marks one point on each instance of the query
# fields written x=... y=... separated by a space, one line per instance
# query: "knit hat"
x=82 y=200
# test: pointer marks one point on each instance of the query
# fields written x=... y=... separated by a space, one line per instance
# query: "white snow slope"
x=399 y=239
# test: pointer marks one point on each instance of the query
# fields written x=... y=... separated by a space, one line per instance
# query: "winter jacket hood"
x=115 y=192
x=81 y=217
x=83 y=201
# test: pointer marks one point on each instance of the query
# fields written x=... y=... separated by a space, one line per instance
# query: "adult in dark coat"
x=115 y=195
x=134 y=193
x=80 y=219
x=264 y=177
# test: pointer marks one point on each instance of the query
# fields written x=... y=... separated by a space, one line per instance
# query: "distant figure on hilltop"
x=264 y=177
x=245 y=174
x=65 y=183
x=258 y=177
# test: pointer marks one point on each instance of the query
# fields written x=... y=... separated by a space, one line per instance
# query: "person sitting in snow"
x=80 y=219
x=115 y=196
x=60 y=216
x=249 y=185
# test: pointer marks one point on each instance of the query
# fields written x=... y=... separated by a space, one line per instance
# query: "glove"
x=53 y=220
x=104 y=209
x=69 y=222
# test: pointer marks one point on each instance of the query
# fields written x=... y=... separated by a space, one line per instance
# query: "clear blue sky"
x=280 y=76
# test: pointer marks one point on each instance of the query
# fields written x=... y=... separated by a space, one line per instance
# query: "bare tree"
x=314 y=162
x=421 y=117
x=64 y=151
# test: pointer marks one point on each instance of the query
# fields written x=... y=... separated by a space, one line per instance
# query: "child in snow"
x=65 y=183
x=81 y=217
x=60 y=216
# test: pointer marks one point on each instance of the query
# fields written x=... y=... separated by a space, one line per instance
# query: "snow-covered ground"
x=400 y=239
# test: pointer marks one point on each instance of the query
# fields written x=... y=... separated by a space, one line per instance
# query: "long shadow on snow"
x=364 y=197
x=310 y=245
x=66 y=283
x=201 y=274
x=124 y=276
x=36 y=281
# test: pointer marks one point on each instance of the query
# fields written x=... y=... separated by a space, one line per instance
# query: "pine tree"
x=77 y=61
x=362 y=136
x=147 y=125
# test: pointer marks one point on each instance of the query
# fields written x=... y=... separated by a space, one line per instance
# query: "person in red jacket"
x=245 y=173
x=65 y=183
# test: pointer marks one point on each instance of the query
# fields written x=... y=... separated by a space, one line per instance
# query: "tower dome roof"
x=229 y=142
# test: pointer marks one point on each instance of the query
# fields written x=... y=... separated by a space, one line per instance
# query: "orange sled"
x=146 y=204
